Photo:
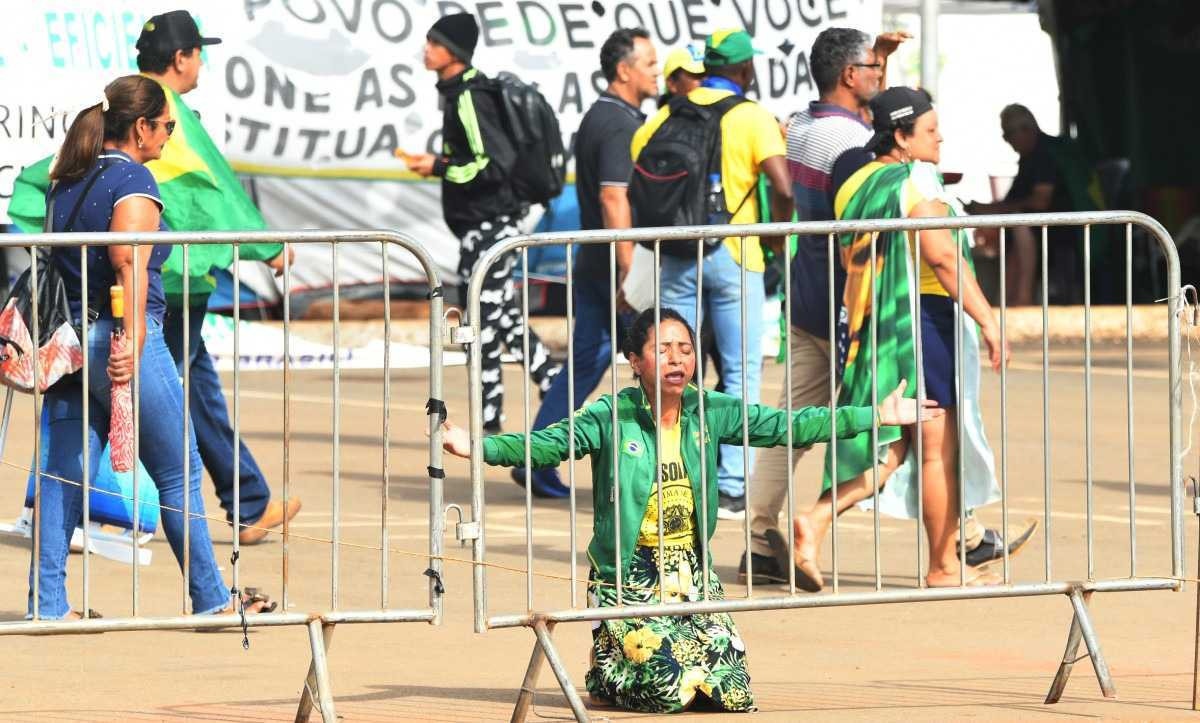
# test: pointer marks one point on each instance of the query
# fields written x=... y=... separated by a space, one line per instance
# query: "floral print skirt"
x=662 y=664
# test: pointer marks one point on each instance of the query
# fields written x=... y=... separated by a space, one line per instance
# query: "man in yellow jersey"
x=750 y=143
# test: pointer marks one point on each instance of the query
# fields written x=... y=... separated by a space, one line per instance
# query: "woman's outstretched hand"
x=896 y=410
x=455 y=439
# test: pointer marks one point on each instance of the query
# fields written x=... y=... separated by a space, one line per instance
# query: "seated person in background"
x=1052 y=176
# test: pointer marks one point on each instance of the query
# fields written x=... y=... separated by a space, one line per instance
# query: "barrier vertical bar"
x=37 y=444
x=384 y=536
x=788 y=358
x=1129 y=396
x=919 y=427
x=478 y=500
x=1087 y=394
x=285 y=548
x=833 y=443
x=138 y=321
x=237 y=420
x=961 y=423
x=1004 y=404
x=437 y=516
x=1175 y=407
x=85 y=448
x=186 y=366
x=874 y=413
x=616 y=432
x=704 y=551
x=573 y=542
x=336 y=547
x=1046 y=395
x=745 y=352
x=658 y=477
x=528 y=443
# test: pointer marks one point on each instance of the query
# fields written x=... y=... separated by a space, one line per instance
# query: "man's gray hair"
x=1019 y=116
x=833 y=50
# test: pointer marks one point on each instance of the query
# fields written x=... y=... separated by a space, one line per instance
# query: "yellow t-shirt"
x=923 y=184
x=679 y=522
x=749 y=136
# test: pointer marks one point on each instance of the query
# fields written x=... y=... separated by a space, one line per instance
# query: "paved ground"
x=934 y=661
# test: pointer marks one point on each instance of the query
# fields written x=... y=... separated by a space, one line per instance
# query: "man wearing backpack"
x=479 y=202
x=741 y=139
x=602 y=170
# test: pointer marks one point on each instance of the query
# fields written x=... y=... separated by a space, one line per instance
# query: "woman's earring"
x=139 y=142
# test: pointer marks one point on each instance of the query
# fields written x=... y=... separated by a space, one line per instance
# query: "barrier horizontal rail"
x=542 y=618
x=321 y=622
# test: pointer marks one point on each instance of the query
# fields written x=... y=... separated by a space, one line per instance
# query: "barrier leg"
x=1081 y=630
x=316 y=686
x=545 y=647
x=529 y=685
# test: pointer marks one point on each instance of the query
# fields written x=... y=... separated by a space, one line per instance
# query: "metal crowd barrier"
x=321 y=622
x=1077 y=589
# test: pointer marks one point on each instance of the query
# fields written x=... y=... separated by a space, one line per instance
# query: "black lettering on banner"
x=369 y=90
x=490 y=24
x=253 y=127
x=377 y=17
x=245 y=88
x=251 y=5
x=695 y=19
x=446 y=7
x=803 y=75
x=339 y=149
x=274 y=87
x=385 y=142
x=312 y=135
x=839 y=13
x=622 y=10
x=778 y=75
x=281 y=141
x=3 y=170
x=350 y=22
x=314 y=20
x=658 y=26
x=434 y=144
x=570 y=26
x=524 y=7
x=750 y=23
x=407 y=95
x=812 y=18
x=773 y=19
x=4 y=121
x=571 y=94
x=316 y=103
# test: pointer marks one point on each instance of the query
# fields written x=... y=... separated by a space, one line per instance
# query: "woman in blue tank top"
x=100 y=185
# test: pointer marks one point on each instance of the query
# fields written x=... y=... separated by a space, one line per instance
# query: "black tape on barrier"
x=435 y=292
x=432 y=574
x=436 y=472
x=438 y=407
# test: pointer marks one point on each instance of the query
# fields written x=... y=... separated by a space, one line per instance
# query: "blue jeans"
x=210 y=419
x=161 y=439
x=722 y=304
x=591 y=350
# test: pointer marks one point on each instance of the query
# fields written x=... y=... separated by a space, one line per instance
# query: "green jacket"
x=593 y=437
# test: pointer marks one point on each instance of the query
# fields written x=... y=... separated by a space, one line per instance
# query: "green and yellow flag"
x=199 y=190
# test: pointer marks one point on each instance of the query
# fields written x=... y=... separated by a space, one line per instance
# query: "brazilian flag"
x=199 y=190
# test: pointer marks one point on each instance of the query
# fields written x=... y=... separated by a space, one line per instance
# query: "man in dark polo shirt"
x=603 y=167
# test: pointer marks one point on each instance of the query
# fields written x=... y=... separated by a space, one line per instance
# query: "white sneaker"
x=731 y=508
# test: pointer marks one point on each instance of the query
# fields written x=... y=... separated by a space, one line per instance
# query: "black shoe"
x=731 y=508
x=991 y=548
x=766 y=569
x=491 y=428
x=546 y=483
x=809 y=580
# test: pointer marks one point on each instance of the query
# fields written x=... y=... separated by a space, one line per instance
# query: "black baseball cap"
x=893 y=107
x=171 y=31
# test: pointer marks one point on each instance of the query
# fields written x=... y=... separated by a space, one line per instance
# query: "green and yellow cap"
x=728 y=47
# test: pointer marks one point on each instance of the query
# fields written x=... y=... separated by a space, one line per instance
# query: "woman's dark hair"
x=639 y=330
x=887 y=142
x=129 y=98
x=617 y=49
x=884 y=140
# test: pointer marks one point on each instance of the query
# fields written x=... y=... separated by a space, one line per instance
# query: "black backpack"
x=540 y=169
x=671 y=176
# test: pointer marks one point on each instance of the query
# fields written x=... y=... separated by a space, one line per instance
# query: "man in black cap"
x=478 y=201
x=169 y=52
